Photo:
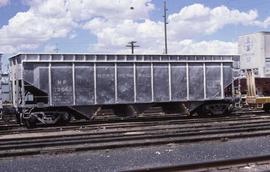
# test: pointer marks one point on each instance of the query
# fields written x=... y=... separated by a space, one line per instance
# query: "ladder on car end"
x=236 y=89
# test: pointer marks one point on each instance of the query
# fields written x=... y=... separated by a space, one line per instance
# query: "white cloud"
x=203 y=47
x=186 y=25
x=47 y=19
x=113 y=36
x=186 y=46
x=27 y=30
x=4 y=2
x=149 y=35
x=115 y=23
x=50 y=48
x=111 y=10
x=199 y=19
x=264 y=24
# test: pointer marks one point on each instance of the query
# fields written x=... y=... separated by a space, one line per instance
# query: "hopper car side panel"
x=72 y=84
x=196 y=79
x=178 y=77
x=143 y=82
x=125 y=83
x=84 y=87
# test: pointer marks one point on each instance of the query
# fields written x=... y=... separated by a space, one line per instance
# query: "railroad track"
x=132 y=134
x=253 y=163
x=117 y=122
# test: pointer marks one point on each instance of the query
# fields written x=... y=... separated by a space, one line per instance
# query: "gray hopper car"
x=50 y=87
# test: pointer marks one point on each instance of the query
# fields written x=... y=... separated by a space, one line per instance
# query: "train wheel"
x=222 y=109
x=64 y=118
x=215 y=109
x=31 y=122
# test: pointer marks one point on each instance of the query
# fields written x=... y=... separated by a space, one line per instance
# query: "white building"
x=254 y=51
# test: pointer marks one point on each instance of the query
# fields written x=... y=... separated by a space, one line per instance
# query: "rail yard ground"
x=165 y=143
x=122 y=159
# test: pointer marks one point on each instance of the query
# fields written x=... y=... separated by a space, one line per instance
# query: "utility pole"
x=132 y=46
x=56 y=49
x=165 y=27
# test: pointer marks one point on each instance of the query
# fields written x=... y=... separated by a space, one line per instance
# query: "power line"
x=132 y=46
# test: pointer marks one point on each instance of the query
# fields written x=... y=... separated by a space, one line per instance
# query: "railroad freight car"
x=49 y=88
x=254 y=50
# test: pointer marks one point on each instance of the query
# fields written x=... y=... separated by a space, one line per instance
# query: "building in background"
x=254 y=51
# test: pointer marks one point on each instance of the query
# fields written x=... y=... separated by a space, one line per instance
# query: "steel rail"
x=171 y=124
x=204 y=166
x=79 y=125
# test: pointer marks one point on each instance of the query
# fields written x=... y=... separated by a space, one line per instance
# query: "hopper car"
x=52 y=88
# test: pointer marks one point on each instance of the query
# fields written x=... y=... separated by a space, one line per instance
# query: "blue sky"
x=94 y=26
